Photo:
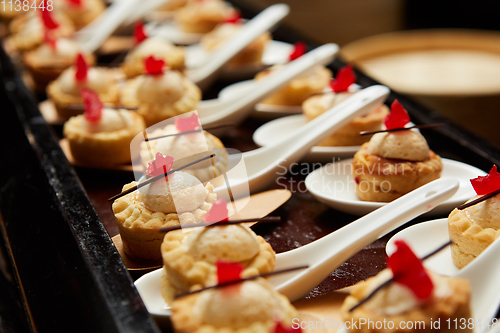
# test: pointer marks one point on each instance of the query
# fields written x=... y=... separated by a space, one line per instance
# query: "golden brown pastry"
x=160 y=95
x=251 y=54
x=64 y=92
x=396 y=304
x=392 y=164
x=413 y=302
x=202 y=16
x=82 y=12
x=251 y=307
x=349 y=134
x=49 y=60
x=189 y=258
x=299 y=89
x=172 y=55
x=139 y=215
x=186 y=148
x=474 y=228
x=101 y=136
x=28 y=31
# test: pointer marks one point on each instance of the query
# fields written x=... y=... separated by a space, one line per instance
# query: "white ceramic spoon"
x=484 y=276
x=215 y=111
x=263 y=164
x=329 y=252
x=205 y=75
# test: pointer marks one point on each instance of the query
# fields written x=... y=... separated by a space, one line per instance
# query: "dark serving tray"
x=60 y=269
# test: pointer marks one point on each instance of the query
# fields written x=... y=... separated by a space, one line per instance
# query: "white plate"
x=424 y=238
x=171 y=31
x=333 y=185
x=149 y=287
x=275 y=52
x=281 y=128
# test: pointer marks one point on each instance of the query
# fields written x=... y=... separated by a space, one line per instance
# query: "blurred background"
x=455 y=72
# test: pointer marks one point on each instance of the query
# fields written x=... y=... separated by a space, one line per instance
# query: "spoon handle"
x=250 y=31
x=484 y=274
x=329 y=252
x=237 y=110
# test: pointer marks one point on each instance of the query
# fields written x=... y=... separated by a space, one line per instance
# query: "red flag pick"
x=487 y=184
x=299 y=49
x=81 y=68
x=186 y=124
x=139 y=33
x=217 y=213
x=48 y=21
x=76 y=3
x=345 y=77
x=409 y=271
x=154 y=66
x=92 y=103
x=228 y=271
x=398 y=117
x=160 y=165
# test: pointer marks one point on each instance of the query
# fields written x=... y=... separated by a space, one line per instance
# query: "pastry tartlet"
x=82 y=12
x=49 y=60
x=343 y=88
x=349 y=134
x=28 y=31
x=189 y=259
x=250 y=307
x=172 y=5
x=160 y=95
x=102 y=138
x=299 y=89
x=140 y=214
x=187 y=147
x=474 y=228
x=251 y=54
x=392 y=164
x=202 y=16
x=396 y=304
x=413 y=300
x=64 y=92
x=172 y=55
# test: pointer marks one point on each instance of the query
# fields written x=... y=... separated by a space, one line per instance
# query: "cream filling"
x=234 y=243
x=182 y=193
x=185 y=148
x=65 y=49
x=97 y=80
x=396 y=298
x=486 y=214
x=167 y=88
x=111 y=120
x=152 y=46
x=239 y=306
x=406 y=145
